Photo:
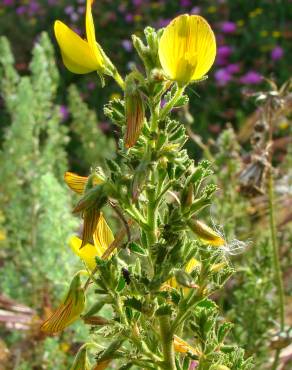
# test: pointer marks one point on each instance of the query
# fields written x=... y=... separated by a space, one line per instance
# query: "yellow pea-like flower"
x=69 y=310
x=80 y=56
x=77 y=183
x=187 y=49
x=206 y=234
x=102 y=237
x=183 y=347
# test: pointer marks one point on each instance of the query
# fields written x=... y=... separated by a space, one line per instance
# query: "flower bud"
x=95 y=320
x=134 y=107
x=184 y=279
x=81 y=360
x=69 y=310
x=206 y=234
x=102 y=365
x=183 y=347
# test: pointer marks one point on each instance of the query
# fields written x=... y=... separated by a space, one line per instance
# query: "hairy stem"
x=167 y=343
x=276 y=261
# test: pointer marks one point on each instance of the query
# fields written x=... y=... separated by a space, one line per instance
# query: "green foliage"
x=158 y=285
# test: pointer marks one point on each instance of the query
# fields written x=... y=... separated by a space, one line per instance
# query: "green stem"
x=167 y=343
x=119 y=80
x=276 y=261
x=168 y=107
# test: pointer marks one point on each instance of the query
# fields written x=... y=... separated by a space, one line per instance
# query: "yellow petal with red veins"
x=77 y=54
x=103 y=236
x=69 y=310
x=187 y=48
x=75 y=182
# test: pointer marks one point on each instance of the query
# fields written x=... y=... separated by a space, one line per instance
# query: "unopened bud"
x=134 y=107
x=183 y=347
x=206 y=234
x=95 y=320
x=185 y=279
x=69 y=310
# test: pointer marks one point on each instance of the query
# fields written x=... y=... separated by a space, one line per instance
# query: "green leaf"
x=138 y=249
x=121 y=284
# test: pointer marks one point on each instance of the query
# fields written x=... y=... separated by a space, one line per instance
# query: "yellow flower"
x=102 y=237
x=80 y=56
x=276 y=34
x=189 y=268
x=187 y=49
x=2 y=235
x=183 y=347
x=69 y=310
x=206 y=234
x=240 y=22
x=77 y=183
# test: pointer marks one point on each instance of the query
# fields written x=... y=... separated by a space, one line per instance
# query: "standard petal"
x=87 y=253
x=103 y=236
x=75 y=182
x=187 y=48
x=205 y=44
x=90 y=35
x=77 y=55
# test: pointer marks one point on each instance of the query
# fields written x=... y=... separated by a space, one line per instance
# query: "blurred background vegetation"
x=52 y=120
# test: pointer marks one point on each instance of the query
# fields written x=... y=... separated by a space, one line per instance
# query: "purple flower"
x=129 y=17
x=185 y=3
x=228 y=27
x=91 y=85
x=224 y=51
x=64 y=112
x=233 y=68
x=127 y=45
x=163 y=22
x=69 y=9
x=8 y=2
x=222 y=77
x=137 y=2
x=74 y=17
x=193 y=365
x=277 y=53
x=21 y=10
x=196 y=10
x=251 y=78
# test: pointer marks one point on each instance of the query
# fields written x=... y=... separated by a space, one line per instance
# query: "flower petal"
x=103 y=236
x=77 y=55
x=183 y=347
x=75 y=182
x=68 y=311
x=187 y=48
x=90 y=35
x=87 y=253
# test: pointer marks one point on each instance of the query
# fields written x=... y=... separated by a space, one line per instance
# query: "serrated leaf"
x=136 y=248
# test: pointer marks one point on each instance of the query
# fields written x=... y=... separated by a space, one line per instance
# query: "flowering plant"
x=157 y=273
